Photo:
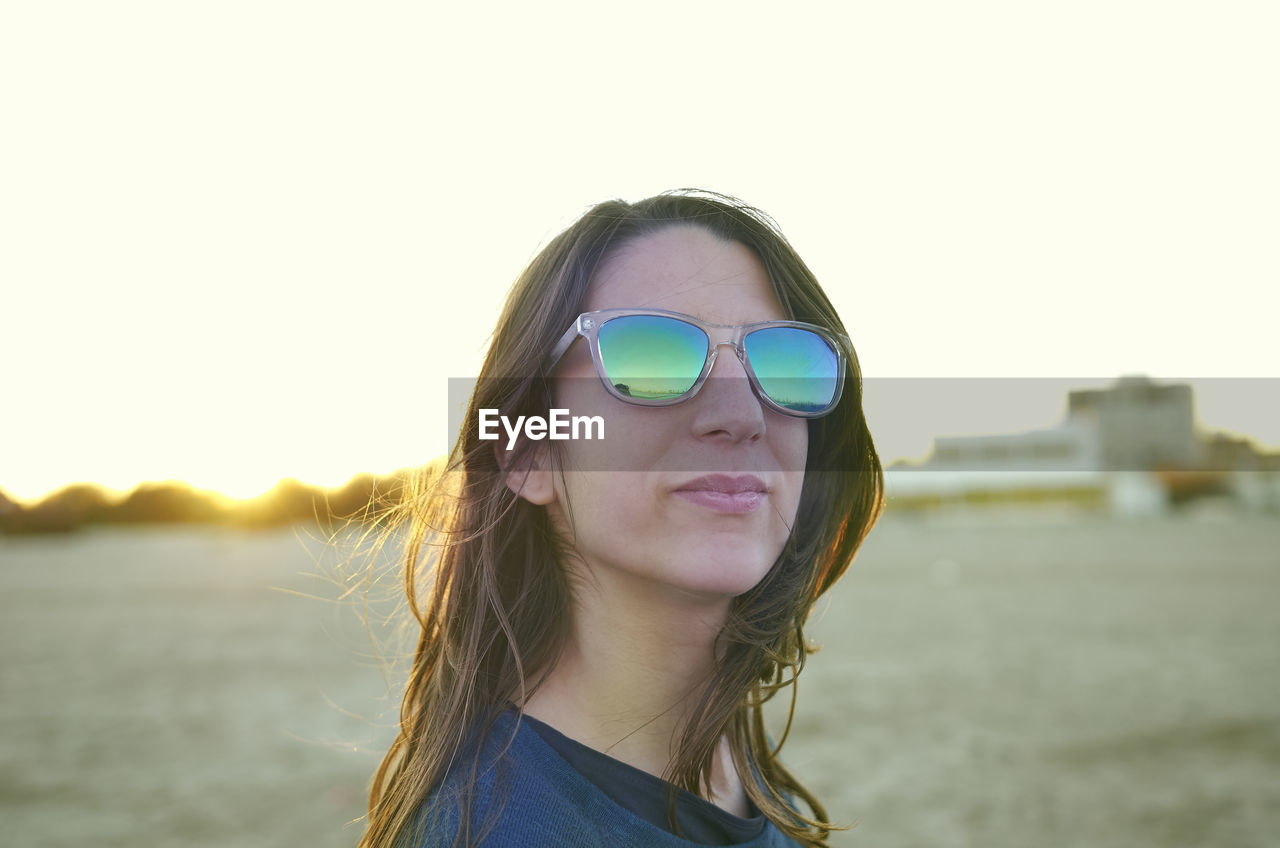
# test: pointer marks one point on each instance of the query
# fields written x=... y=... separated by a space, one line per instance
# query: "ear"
x=531 y=478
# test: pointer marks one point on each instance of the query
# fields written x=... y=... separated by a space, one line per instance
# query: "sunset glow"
x=230 y=272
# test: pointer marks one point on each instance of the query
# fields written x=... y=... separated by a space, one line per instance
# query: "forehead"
x=685 y=268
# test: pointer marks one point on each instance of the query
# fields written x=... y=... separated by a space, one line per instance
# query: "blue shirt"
x=646 y=795
x=545 y=802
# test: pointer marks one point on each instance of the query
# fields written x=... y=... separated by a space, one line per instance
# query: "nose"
x=727 y=406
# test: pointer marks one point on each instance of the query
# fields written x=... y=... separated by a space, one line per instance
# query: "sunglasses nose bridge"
x=720 y=336
x=738 y=353
x=732 y=345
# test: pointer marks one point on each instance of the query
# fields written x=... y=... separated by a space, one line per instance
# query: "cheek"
x=605 y=514
x=635 y=438
x=792 y=444
x=793 y=453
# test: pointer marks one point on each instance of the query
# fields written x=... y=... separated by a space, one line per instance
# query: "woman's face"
x=637 y=504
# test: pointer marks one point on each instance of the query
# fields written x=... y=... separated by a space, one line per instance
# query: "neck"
x=639 y=657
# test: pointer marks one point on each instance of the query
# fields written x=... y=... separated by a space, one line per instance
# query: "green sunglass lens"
x=797 y=368
x=652 y=357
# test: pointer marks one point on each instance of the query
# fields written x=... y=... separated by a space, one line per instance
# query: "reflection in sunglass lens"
x=651 y=356
x=796 y=368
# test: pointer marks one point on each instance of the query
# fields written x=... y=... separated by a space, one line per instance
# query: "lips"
x=729 y=484
x=725 y=493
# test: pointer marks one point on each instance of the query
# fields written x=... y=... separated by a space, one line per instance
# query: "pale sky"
x=248 y=240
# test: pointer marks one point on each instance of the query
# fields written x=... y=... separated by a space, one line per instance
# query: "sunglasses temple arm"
x=562 y=347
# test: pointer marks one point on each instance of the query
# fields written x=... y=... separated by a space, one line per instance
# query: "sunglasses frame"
x=588 y=324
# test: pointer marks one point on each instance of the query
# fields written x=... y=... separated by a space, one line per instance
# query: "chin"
x=728 y=576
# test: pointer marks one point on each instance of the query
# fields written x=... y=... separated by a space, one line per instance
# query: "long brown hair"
x=498 y=611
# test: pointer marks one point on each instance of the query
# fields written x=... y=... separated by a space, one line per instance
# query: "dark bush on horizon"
x=362 y=499
x=63 y=510
x=163 y=503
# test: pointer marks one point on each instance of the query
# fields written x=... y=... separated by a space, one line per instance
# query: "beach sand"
x=988 y=679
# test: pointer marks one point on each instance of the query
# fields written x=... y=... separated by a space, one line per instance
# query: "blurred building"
x=1132 y=447
x=1134 y=425
x=1139 y=424
x=1071 y=446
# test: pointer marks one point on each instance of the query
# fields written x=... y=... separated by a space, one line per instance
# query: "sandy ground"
x=998 y=680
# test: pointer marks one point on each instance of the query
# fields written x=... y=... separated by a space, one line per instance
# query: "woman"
x=607 y=615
